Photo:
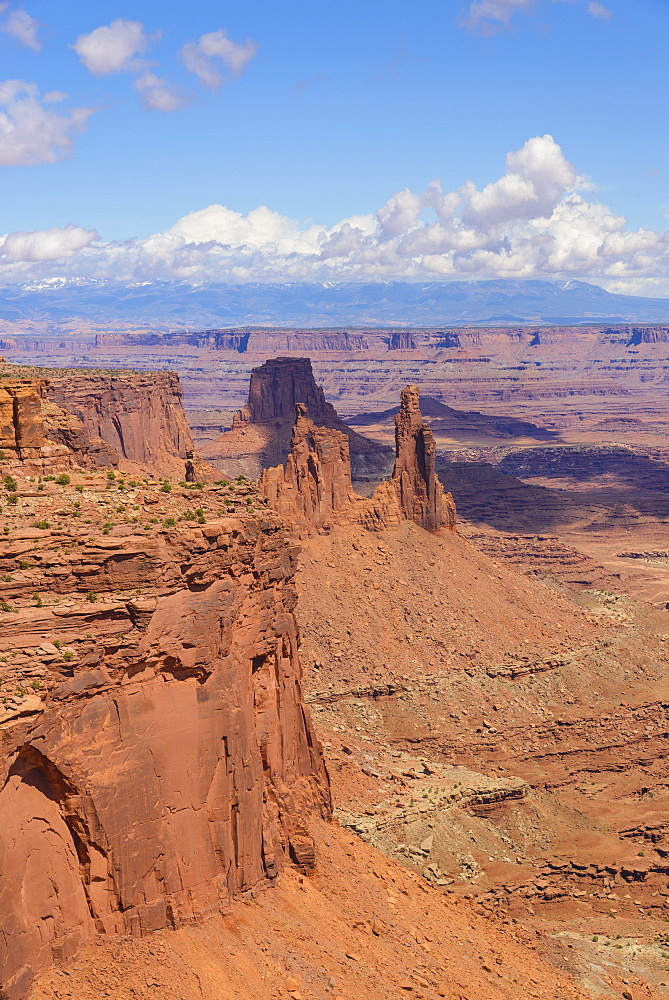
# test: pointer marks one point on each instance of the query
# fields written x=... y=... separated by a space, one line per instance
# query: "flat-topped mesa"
x=278 y=386
x=314 y=489
x=421 y=494
x=261 y=431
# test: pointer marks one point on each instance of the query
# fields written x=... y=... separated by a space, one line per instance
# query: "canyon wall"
x=31 y=426
x=156 y=756
x=54 y=419
x=649 y=335
x=139 y=415
x=22 y=430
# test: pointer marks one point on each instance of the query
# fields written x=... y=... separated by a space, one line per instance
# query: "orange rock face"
x=21 y=424
x=314 y=490
x=172 y=764
x=261 y=433
x=421 y=495
x=315 y=486
x=139 y=416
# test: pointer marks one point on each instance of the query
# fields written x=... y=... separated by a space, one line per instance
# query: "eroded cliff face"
x=51 y=419
x=22 y=431
x=421 y=495
x=314 y=489
x=156 y=756
x=140 y=416
x=27 y=423
x=262 y=430
x=315 y=486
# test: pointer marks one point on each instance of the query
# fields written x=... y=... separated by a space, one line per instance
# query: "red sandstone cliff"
x=261 y=431
x=314 y=489
x=156 y=757
x=140 y=416
x=55 y=419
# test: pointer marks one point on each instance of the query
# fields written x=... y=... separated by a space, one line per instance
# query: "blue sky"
x=322 y=111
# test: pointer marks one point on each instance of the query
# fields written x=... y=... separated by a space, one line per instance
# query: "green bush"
x=42 y=524
x=12 y=498
x=10 y=484
x=91 y=596
x=63 y=479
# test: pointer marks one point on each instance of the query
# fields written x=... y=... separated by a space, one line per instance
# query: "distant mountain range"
x=164 y=304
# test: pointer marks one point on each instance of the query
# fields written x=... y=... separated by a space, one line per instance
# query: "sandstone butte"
x=158 y=759
x=261 y=431
x=314 y=489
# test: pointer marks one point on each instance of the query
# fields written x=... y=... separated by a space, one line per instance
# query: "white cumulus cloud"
x=598 y=10
x=113 y=48
x=538 y=220
x=31 y=132
x=487 y=17
x=216 y=59
x=23 y=27
x=156 y=94
x=45 y=244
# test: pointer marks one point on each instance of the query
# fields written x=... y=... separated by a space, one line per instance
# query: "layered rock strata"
x=27 y=422
x=98 y=420
x=156 y=757
x=261 y=431
x=140 y=416
x=21 y=425
x=421 y=495
x=314 y=489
